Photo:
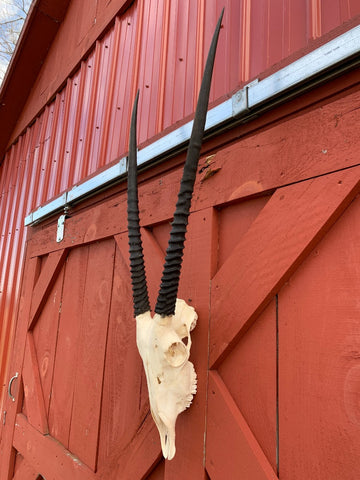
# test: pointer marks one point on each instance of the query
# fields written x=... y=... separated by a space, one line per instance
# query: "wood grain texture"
x=46 y=455
x=45 y=282
x=86 y=408
x=26 y=472
x=158 y=472
x=140 y=456
x=231 y=449
x=319 y=348
x=45 y=332
x=282 y=235
x=125 y=403
x=35 y=404
x=68 y=338
x=249 y=373
x=234 y=220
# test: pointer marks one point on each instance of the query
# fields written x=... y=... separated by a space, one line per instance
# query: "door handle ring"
x=12 y=379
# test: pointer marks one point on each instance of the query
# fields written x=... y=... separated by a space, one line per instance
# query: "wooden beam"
x=26 y=472
x=231 y=448
x=35 y=405
x=283 y=234
x=46 y=455
x=45 y=282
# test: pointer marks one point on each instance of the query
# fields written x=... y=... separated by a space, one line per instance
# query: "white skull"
x=171 y=378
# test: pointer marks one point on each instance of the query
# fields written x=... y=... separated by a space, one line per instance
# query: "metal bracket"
x=240 y=100
x=60 y=232
x=60 y=228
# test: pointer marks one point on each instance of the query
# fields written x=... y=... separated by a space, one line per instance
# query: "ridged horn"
x=165 y=304
x=137 y=267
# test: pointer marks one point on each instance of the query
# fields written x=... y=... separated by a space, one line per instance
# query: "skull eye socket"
x=176 y=354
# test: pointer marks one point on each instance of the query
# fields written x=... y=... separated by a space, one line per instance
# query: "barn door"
x=79 y=403
x=250 y=386
x=69 y=311
x=79 y=397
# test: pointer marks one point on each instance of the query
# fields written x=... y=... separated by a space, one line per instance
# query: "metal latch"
x=60 y=232
x=60 y=228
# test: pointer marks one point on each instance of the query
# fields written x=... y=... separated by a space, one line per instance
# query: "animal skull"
x=171 y=378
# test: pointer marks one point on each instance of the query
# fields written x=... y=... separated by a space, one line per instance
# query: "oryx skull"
x=164 y=340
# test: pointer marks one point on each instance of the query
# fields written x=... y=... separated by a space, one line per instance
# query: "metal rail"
x=332 y=59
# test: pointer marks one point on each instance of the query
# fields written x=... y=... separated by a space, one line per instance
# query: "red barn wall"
x=270 y=265
x=76 y=118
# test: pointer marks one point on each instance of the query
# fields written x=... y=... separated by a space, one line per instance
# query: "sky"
x=12 y=16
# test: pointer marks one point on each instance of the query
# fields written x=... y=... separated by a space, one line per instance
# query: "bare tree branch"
x=12 y=16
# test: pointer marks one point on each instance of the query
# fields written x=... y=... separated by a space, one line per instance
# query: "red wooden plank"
x=35 y=405
x=311 y=143
x=85 y=419
x=158 y=472
x=319 y=374
x=231 y=449
x=46 y=455
x=26 y=472
x=194 y=289
x=6 y=451
x=45 y=282
x=139 y=458
x=249 y=373
x=67 y=345
x=282 y=235
x=45 y=335
x=234 y=220
x=125 y=399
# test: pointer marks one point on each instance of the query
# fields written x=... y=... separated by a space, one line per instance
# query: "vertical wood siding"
x=160 y=48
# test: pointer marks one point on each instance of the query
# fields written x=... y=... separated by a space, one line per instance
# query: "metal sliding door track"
x=332 y=59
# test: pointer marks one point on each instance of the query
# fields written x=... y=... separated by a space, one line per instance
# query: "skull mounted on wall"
x=163 y=340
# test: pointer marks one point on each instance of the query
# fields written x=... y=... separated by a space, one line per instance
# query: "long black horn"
x=171 y=274
x=137 y=267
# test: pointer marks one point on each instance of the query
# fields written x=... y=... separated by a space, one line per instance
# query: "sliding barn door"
x=274 y=278
x=284 y=376
x=78 y=403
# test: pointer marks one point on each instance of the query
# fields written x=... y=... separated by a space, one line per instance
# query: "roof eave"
x=39 y=30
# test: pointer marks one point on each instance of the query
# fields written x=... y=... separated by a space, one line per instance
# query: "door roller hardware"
x=60 y=232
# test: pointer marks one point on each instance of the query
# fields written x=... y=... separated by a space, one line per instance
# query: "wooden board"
x=44 y=454
x=63 y=382
x=319 y=359
x=25 y=472
x=278 y=240
x=232 y=450
x=249 y=373
x=87 y=393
